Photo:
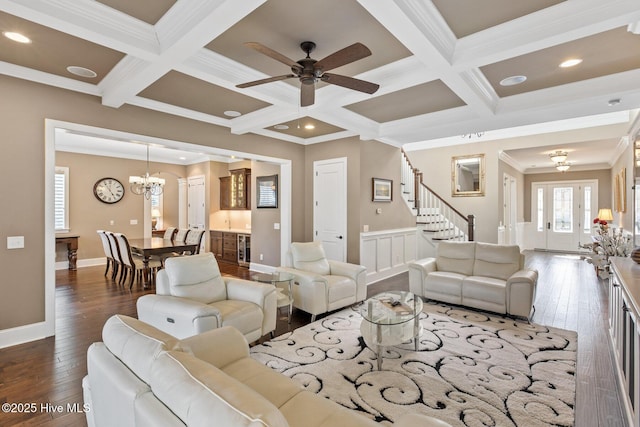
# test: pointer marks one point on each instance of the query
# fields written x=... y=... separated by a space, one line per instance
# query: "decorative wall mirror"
x=467 y=175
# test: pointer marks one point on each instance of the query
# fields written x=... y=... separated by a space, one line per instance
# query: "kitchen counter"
x=233 y=230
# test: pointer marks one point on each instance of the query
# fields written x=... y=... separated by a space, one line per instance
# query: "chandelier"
x=560 y=159
x=558 y=156
x=146 y=185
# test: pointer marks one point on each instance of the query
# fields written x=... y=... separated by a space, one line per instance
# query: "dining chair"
x=108 y=252
x=169 y=233
x=181 y=235
x=133 y=266
x=117 y=259
x=195 y=237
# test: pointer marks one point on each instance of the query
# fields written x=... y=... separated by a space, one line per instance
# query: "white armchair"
x=192 y=297
x=321 y=284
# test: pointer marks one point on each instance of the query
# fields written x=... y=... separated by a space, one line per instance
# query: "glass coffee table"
x=390 y=318
x=283 y=283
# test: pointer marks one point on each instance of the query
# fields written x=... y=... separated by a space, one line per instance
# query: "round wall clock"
x=108 y=190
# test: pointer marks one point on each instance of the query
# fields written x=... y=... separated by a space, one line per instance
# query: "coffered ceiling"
x=439 y=63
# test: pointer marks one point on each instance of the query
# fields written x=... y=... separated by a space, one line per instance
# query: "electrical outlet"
x=261 y=257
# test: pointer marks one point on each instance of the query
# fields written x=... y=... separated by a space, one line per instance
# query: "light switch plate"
x=133 y=222
x=276 y=226
x=15 y=242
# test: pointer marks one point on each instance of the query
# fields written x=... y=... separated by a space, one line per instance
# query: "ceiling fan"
x=309 y=70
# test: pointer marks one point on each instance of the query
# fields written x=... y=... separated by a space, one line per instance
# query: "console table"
x=72 y=249
x=624 y=312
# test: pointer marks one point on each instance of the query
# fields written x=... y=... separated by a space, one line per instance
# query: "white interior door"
x=330 y=206
x=195 y=202
x=510 y=209
x=562 y=213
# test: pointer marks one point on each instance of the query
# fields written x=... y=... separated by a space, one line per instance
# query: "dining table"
x=150 y=246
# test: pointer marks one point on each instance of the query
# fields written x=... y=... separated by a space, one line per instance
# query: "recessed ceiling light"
x=281 y=127
x=16 y=37
x=182 y=158
x=570 y=62
x=231 y=113
x=309 y=126
x=81 y=71
x=513 y=80
x=614 y=101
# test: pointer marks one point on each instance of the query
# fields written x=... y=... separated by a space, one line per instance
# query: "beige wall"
x=603 y=176
x=87 y=214
x=265 y=239
x=436 y=167
x=379 y=160
x=24 y=107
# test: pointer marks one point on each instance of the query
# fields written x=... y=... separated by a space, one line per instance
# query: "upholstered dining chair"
x=132 y=265
x=192 y=297
x=108 y=252
x=115 y=251
x=322 y=284
x=169 y=233
x=181 y=235
x=195 y=237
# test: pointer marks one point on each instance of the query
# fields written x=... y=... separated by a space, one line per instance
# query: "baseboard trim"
x=89 y=262
x=23 y=334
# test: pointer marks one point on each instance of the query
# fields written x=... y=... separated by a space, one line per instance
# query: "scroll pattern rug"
x=471 y=369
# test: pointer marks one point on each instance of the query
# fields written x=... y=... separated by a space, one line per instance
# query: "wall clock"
x=108 y=190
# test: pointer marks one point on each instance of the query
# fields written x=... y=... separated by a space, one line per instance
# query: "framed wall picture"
x=382 y=189
x=267 y=191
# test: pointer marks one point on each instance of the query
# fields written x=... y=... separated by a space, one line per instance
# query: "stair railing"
x=433 y=209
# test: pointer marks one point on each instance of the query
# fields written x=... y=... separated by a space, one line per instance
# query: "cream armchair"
x=321 y=284
x=192 y=297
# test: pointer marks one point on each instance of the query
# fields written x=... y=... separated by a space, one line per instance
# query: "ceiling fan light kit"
x=309 y=70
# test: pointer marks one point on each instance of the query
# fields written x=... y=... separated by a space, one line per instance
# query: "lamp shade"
x=155 y=213
x=605 y=214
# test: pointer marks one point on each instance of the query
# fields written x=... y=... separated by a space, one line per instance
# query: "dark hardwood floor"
x=50 y=371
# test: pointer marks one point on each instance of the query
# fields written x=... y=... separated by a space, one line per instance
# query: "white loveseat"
x=192 y=297
x=481 y=275
x=141 y=376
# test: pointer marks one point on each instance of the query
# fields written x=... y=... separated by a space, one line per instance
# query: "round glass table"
x=283 y=283
x=390 y=318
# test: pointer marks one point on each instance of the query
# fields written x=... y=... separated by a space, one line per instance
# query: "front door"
x=562 y=213
x=330 y=206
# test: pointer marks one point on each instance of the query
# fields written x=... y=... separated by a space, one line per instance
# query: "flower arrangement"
x=610 y=241
x=607 y=242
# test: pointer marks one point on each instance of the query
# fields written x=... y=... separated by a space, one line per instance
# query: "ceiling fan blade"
x=273 y=54
x=342 y=57
x=350 y=83
x=267 y=80
x=307 y=94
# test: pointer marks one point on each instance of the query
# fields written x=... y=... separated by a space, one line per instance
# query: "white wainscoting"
x=386 y=253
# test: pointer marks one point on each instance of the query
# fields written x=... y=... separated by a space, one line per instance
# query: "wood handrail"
x=419 y=181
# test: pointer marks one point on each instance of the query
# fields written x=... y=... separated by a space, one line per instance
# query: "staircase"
x=435 y=218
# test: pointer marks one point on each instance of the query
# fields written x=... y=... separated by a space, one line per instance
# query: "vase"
x=635 y=254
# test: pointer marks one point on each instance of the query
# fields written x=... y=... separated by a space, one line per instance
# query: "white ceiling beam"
x=562 y=23
x=419 y=26
x=183 y=31
x=90 y=20
x=48 y=79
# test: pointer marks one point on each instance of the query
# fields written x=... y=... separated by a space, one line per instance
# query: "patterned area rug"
x=471 y=369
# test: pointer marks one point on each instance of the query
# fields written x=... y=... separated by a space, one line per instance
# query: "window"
x=61 y=199
x=563 y=209
x=540 y=209
x=587 y=210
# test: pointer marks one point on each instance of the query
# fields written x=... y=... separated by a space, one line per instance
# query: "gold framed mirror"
x=467 y=175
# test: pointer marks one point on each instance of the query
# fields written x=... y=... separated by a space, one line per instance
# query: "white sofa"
x=193 y=297
x=141 y=376
x=322 y=284
x=481 y=275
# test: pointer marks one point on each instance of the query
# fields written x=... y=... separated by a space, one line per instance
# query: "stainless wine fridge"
x=244 y=249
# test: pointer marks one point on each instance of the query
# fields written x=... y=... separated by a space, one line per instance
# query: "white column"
x=182 y=202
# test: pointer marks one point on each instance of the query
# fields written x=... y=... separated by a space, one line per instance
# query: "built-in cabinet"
x=225 y=246
x=235 y=190
x=624 y=294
